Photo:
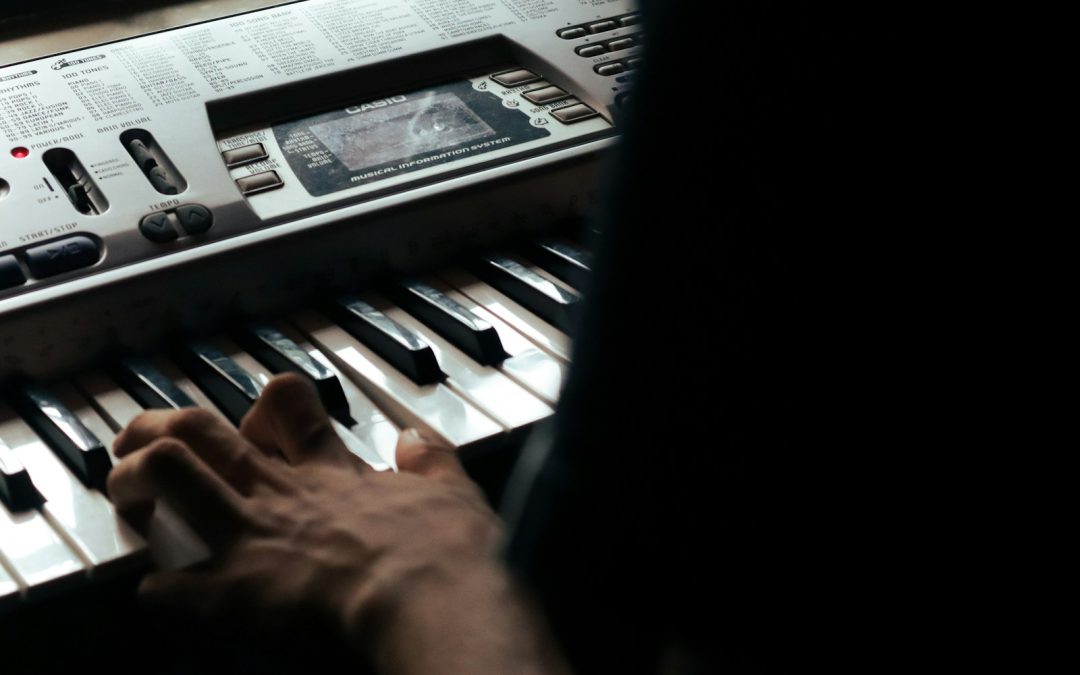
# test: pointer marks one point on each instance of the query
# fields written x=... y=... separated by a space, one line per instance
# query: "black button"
x=11 y=274
x=194 y=218
x=158 y=227
x=260 y=182
x=245 y=155
x=62 y=256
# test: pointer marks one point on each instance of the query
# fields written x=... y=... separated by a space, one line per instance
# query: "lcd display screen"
x=400 y=130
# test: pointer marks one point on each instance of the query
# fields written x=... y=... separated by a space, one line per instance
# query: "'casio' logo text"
x=372 y=105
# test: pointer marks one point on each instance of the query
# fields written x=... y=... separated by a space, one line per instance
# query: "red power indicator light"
x=20 y=153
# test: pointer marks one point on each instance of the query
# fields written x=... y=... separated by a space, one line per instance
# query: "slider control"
x=153 y=162
x=75 y=181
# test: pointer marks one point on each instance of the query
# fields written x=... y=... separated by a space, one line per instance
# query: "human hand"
x=301 y=530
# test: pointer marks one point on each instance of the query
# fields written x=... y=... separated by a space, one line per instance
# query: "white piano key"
x=9 y=590
x=371 y=426
x=83 y=516
x=171 y=541
x=119 y=408
x=483 y=386
x=540 y=332
x=432 y=408
x=34 y=554
x=526 y=364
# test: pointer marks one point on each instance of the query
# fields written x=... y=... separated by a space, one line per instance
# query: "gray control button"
x=589 y=51
x=630 y=20
x=11 y=274
x=571 y=33
x=634 y=63
x=260 y=182
x=545 y=95
x=158 y=227
x=513 y=78
x=245 y=155
x=609 y=69
x=195 y=218
x=573 y=113
x=624 y=43
x=601 y=26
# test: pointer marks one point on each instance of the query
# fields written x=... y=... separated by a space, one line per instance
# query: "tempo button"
x=194 y=218
x=158 y=227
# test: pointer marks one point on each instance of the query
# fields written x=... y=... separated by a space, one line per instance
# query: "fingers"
x=416 y=454
x=208 y=436
x=167 y=468
x=290 y=418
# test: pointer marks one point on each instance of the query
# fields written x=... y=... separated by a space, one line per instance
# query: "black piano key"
x=452 y=320
x=280 y=354
x=551 y=302
x=65 y=433
x=232 y=389
x=402 y=348
x=562 y=260
x=149 y=386
x=17 y=491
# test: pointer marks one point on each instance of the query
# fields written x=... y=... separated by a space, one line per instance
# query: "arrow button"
x=158 y=227
x=195 y=218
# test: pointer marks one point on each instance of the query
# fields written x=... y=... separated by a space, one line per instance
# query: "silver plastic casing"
x=201 y=89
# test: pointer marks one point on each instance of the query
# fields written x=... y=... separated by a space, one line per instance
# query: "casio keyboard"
x=326 y=187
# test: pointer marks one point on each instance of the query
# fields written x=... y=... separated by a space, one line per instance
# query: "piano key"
x=83 y=517
x=17 y=491
x=368 y=424
x=485 y=387
x=118 y=407
x=171 y=541
x=434 y=408
x=525 y=363
x=563 y=260
x=148 y=385
x=540 y=332
x=36 y=556
x=468 y=332
x=395 y=344
x=64 y=433
x=33 y=552
x=231 y=379
x=9 y=591
x=280 y=354
x=550 y=301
